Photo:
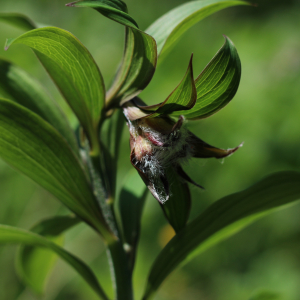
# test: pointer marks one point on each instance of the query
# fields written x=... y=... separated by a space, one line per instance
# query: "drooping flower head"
x=159 y=141
x=161 y=144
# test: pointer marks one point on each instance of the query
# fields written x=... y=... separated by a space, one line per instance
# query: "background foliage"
x=263 y=258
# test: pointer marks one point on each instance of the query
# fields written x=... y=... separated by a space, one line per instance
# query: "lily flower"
x=159 y=141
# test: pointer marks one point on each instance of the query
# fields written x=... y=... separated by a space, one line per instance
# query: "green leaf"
x=131 y=204
x=9 y=234
x=137 y=67
x=35 y=148
x=19 y=86
x=222 y=219
x=74 y=71
x=18 y=20
x=168 y=28
x=115 y=10
x=217 y=84
x=177 y=208
x=34 y=264
x=140 y=55
x=111 y=137
x=182 y=98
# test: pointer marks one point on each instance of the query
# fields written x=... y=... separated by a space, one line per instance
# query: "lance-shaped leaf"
x=140 y=55
x=182 y=98
x=168 y=28
x=115 y=10
x=222 y=219
x=18 y=20
x=131 y=204
x=19 y=86
x=217 y=84
x=73 y=70
x=34 y=264
x=35 y=148
x=177 y=208
x=9 y=234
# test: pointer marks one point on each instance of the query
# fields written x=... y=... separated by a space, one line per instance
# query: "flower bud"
x=159 y=144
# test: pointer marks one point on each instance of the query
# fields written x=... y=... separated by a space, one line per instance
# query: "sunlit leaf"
x=139 y=60
x=73 y=70
x=168 y=28
x=131 y=204
x=137 y=67
x=9 y=234
x=19 y=86
x=221 y=220
x=35 y=148
x=18 y=20
x=34 y=264
x=182 y=98
x=217 y=84
x=112 y=9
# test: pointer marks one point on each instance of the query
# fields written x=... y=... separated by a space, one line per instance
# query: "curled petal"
x=200 y=149
x=132 y=112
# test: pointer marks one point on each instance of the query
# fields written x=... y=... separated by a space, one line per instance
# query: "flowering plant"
x=79 y=166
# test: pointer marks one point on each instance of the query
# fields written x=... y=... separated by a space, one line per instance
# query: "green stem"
x=100 y=187
x=119 y=262
x=120 y=270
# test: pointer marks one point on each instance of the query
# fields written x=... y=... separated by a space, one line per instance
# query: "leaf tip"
x=227 y=39
x=191 y=63
x=231 y=151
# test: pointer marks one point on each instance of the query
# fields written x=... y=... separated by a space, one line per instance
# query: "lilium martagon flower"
x=159 y=141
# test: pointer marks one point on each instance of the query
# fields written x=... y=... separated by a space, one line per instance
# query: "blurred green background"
x=265 y=114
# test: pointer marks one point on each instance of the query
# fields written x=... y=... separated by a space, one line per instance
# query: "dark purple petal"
x=200 y=149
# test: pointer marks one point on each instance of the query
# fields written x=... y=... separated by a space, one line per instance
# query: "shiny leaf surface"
x=217 y=84
x=19 y=86
x=140 y=56
x=35 y=148
x=182 y=98
x=115 y=10
x=73 y=70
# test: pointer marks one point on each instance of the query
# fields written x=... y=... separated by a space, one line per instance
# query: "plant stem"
x=119 y=262
x=100 y=187
x=121 y=274
x=120 y=269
